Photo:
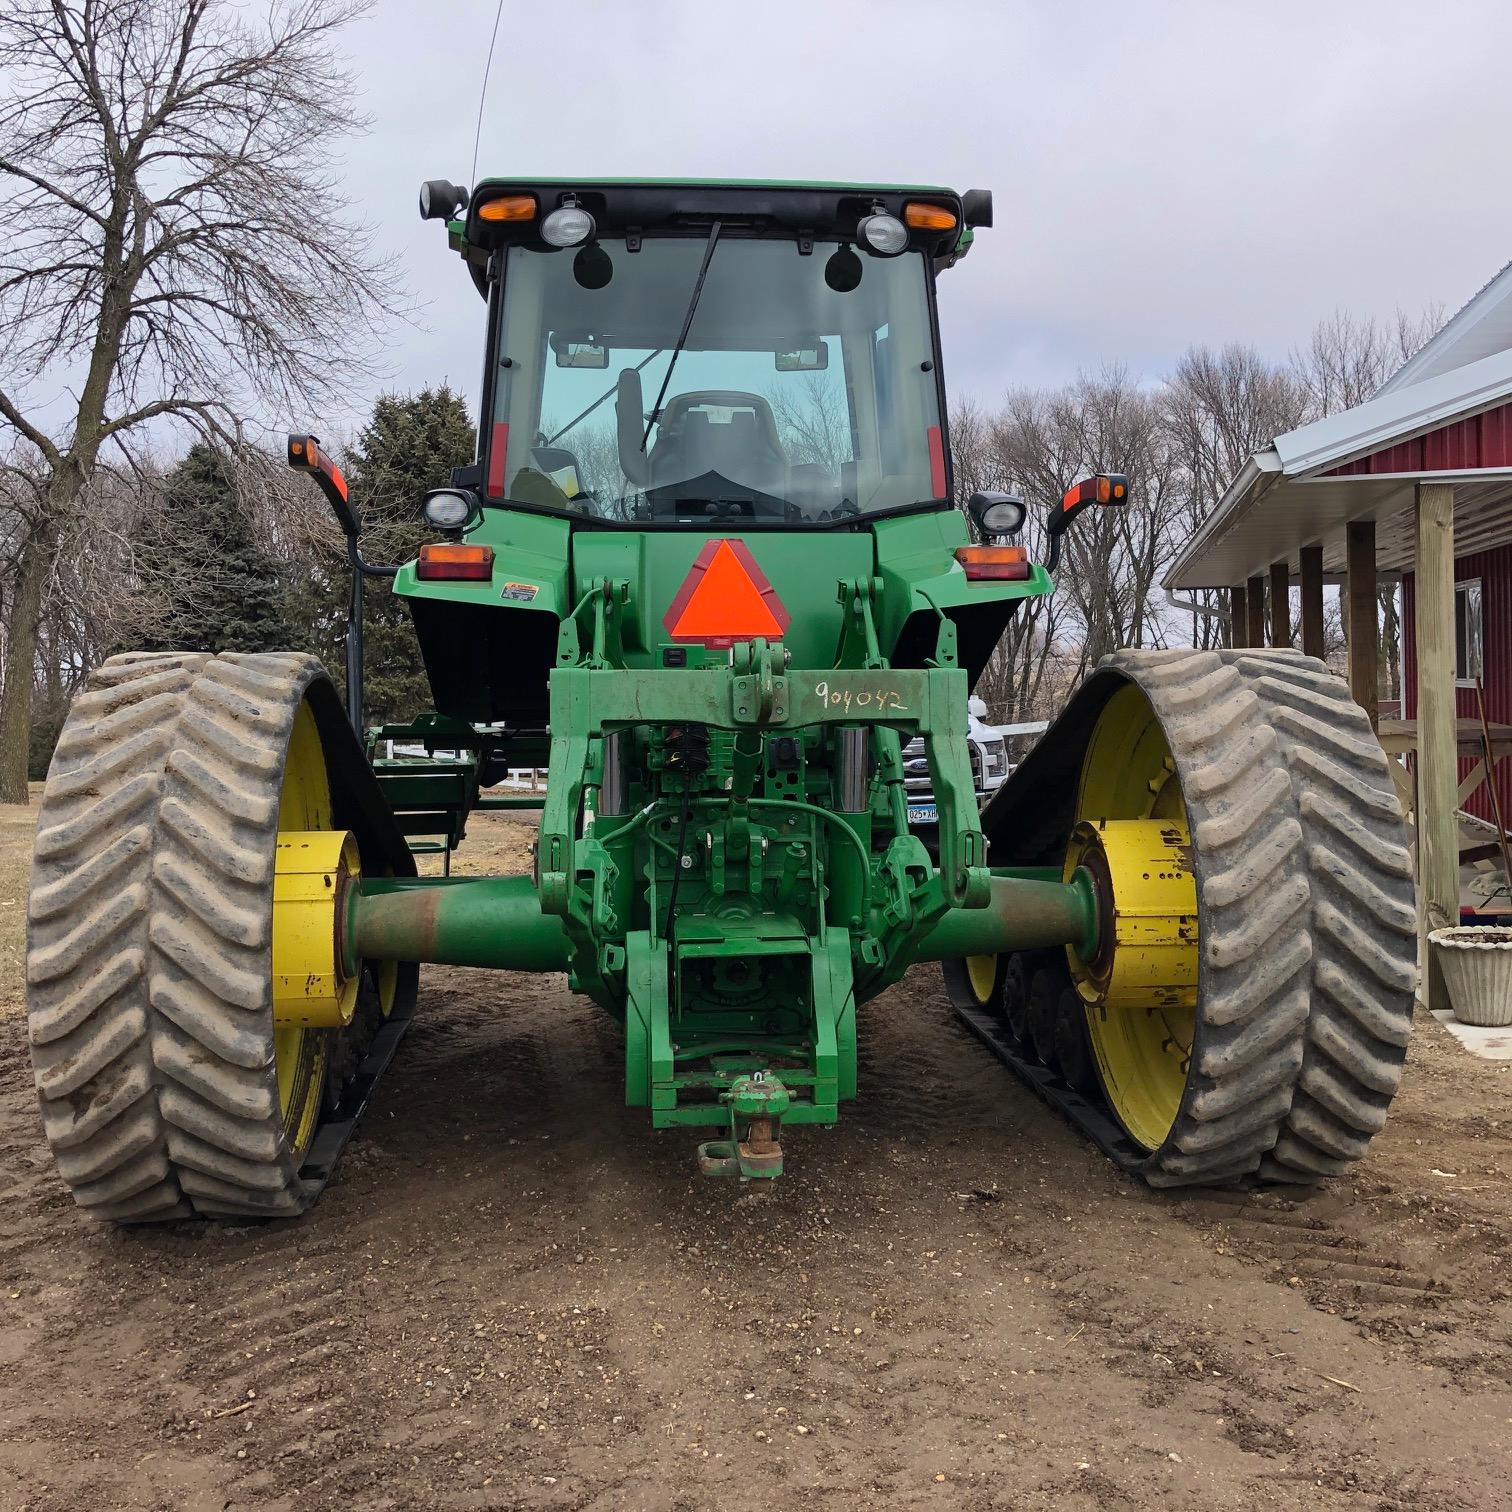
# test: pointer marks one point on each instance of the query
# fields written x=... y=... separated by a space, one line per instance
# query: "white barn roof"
x=1482 y=328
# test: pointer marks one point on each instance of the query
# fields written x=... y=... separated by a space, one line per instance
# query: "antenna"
x=483 y=93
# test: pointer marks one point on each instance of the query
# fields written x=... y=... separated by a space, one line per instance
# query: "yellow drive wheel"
x=1140 y=987
x=314 y=865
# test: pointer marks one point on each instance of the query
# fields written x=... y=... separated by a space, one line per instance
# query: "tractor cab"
x=691 y=384
x=694 y=356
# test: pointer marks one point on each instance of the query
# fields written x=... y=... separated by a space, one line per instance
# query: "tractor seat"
x=723 y=431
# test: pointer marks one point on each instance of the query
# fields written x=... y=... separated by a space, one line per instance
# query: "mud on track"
x=516 y=1295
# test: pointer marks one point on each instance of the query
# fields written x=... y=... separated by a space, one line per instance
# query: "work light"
x=885 y=235
x=448 y=508
x=440 y=199
x=997 y=514
x=567 y=226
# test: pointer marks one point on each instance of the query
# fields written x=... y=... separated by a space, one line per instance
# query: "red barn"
x=1414 y=485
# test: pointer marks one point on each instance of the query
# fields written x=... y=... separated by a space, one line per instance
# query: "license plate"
x=923 y=813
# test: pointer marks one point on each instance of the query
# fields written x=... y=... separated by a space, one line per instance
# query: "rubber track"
x=149 y=938
x=1252 y=893
x=1363 y=914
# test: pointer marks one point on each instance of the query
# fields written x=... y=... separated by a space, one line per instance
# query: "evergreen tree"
x=204 y=583
x=409 y=445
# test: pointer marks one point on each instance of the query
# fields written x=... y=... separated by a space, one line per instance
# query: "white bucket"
x=1477 y=967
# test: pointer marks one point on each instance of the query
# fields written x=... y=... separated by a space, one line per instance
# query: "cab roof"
x=823 y=210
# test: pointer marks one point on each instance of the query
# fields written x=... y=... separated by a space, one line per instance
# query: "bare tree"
x=1112 y=559
x=813 y=421
x=1347 y=357
x=176 y=252
x=977 y=463
x=1219 y=408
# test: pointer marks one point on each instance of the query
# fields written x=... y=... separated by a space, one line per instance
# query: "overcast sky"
x=1164 y=173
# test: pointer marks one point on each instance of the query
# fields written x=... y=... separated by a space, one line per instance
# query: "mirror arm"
x=306 y=455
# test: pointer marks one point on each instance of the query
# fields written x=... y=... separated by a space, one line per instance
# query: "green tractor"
x=708 y=572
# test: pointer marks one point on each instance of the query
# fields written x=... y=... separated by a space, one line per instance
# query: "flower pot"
x=1477 y=967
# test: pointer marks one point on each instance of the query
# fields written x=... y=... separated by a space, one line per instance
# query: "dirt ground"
x=516 y=1295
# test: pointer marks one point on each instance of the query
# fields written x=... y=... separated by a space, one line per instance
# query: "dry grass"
x=16 y=826
x=495 y=843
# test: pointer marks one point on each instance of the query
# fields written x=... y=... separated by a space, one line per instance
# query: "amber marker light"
x=983 y=564
x=508 y=207
x=924 y=217
x=452 y=561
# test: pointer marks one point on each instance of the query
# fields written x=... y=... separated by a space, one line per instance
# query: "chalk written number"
x=882 y=699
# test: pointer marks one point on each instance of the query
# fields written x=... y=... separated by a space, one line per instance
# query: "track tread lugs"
x=1363 y=915
x=1252 y=892
x=149 y=937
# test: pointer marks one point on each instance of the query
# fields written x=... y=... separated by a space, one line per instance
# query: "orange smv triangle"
x=725 y=598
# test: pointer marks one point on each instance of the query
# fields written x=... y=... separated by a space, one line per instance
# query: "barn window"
x=1469 y=639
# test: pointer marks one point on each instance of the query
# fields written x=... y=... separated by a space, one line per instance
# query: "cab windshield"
x=805 y=393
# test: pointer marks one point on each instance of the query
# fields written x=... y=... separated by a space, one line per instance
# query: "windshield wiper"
x=682 y=338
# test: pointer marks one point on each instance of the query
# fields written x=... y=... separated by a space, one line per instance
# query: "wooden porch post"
x=1280 y=602
x=1361 y=628
x=1238 y=616
x=1310 y=560
x=1437 y=743
x=1255 y=603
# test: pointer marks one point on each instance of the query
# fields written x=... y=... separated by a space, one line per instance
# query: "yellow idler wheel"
x=187 y=869
x=313 y=865
x=974 y=981
x=982 y=972
x=1197 y=993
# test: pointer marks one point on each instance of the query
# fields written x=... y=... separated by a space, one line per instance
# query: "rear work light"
x=451 y=561
x=989 y=563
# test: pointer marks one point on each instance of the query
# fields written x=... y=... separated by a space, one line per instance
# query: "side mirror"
x=976 y=207
x=307 y=455
x=1104 y=488
x=997 y=514
x=450 y=508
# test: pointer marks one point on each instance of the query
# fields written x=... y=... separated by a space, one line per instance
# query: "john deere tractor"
x=707 y=570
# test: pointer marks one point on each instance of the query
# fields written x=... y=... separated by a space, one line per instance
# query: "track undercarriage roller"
x=190 y=1017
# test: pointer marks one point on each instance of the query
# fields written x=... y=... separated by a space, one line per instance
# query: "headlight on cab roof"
x=883 y=234
x=567 y=226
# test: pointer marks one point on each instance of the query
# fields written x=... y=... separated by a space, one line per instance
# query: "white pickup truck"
x=989 y=767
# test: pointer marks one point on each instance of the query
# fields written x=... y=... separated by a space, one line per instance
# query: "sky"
x=1164 y=173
